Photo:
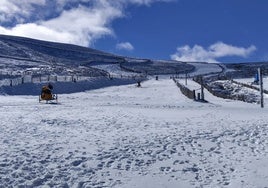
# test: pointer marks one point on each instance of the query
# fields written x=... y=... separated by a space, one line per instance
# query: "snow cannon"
x=47 y=94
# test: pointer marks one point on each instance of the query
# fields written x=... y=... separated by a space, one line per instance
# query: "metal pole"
x=186 y=79
x=261 y=86
x=202 y=89
x=202 y=93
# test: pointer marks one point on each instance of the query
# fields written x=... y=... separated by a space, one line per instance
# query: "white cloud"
x=18 y=10
x=54 y=20
x=125 y=46
x=81 y=25
x=84 y=24
x=40 y=32
x=212 y=53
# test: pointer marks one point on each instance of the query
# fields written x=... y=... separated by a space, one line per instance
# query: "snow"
x=249 y=81
x=130 y=137
x=114 y=69
x=205 y=68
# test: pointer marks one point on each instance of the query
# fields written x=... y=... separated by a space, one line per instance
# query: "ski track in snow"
x=125 y=136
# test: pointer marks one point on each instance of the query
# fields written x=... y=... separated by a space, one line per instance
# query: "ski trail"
x=132 y=137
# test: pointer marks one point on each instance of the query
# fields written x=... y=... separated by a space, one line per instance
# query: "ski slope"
x=205 y=68
x=129 y=137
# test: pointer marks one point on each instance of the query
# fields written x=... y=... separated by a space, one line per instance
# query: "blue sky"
x=184 y=30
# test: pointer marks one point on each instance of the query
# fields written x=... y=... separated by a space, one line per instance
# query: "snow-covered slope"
x=19 y=56
x=129 y=137
x=122 y=136
x=37 y=50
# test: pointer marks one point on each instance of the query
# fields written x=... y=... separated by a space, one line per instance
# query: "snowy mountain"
x=37 y=50
x=33 y=63
x=20 y=54
x=25 y=60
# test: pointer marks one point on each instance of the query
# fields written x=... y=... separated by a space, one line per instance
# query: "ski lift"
x=47 y=94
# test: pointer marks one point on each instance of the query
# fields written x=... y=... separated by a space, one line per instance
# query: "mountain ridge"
x=28 y=48
x=21 y=51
